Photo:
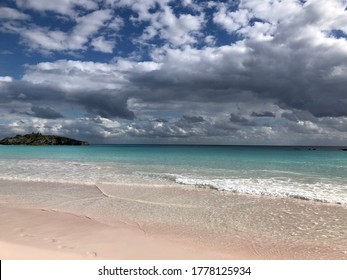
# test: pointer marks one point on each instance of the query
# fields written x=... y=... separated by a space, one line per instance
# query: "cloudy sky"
x=185 y=71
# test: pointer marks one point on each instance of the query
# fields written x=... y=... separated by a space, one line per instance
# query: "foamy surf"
x=285 y=188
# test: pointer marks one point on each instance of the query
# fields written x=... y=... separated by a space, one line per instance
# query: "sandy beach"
x=45 y=234
x=69 y=221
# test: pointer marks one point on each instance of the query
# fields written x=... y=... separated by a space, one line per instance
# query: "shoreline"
x=183 y=223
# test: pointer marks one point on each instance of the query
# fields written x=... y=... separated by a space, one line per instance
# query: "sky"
x=269 y=72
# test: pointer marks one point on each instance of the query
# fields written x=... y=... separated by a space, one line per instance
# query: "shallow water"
x=262 y=227
x=296 y=172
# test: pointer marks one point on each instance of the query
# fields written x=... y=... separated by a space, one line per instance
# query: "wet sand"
x=70 y=221
x=46 y=234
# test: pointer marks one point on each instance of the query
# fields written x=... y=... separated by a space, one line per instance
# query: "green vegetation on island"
x=38 y=139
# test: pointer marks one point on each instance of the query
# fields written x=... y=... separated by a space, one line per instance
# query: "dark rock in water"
x=38 y=139
x=344 y=150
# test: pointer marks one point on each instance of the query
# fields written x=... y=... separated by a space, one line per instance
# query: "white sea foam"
x=276 y=187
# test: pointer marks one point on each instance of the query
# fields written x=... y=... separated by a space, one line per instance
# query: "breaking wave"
x=276 y=187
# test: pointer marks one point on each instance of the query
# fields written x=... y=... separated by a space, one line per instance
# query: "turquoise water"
x=296 y=172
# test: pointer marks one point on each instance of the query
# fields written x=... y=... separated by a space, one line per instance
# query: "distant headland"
x=38 y=139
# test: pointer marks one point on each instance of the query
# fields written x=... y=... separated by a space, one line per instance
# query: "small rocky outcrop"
x=38 y=139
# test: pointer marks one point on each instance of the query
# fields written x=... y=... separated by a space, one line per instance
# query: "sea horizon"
x=207 y=145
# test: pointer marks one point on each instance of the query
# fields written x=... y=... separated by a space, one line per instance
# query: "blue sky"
x=187 y=72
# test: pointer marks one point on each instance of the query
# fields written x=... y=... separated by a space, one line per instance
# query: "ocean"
x=318 y=174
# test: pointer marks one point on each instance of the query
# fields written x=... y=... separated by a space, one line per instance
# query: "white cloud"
x=179 y=30
x=163 y=22
x=70 y=75
x=6 y=79
x=285 y=20
x=142 y=8
x=103 y=45
x=116 y=24
x=260 y=31
x=231 y=21
x=12 y=14
x=339 y=71
x=87 y=26
x=267 y=16
x=194 y=5
x=176 y=30
x=47 y=40
x=44 y=39
x=210 y=40
x=63 y=7
x=272 y=11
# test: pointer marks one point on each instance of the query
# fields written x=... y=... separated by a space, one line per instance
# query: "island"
x=38 y=139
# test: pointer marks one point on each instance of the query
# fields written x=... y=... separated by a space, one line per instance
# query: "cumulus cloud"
x=47 y=39
x=176 y=30
x=106 y=105
x=64 y=7
x=72 y=75
x=103 y=45
x=280 y=69
x=88 y=25
x=12 y=14
x=231 y=21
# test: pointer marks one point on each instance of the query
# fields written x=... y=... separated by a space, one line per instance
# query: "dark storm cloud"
x=103 y=102
x=193 y=119
x=295 y=78
x=160 y=120
x=284 y=78
x=190 y=83
x=290 y=116
x=338 y=124
x=45 y=112
x=263 y=114
x=191 y=125
x=236 y=119
x=106 y=104
x=23 y=91
x=300 y=68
